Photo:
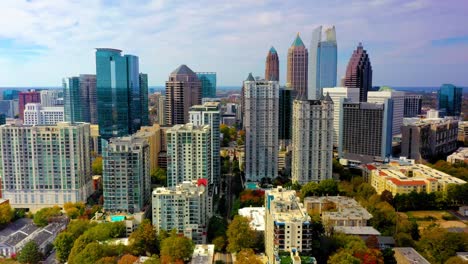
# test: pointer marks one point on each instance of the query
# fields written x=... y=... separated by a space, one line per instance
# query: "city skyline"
x=397 y=34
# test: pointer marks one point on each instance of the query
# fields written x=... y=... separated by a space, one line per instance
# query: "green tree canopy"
x=6 y=214
x=247 y=256
x=176 y=248
x=97 y=166
x=63 y=244
x=144 y=240
x=30 y=253
x=41 y=217
x=240 y=235
x=438 y=245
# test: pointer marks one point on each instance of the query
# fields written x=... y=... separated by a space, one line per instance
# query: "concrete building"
x=428 y=138
x=153 y=135
x=183 y=90
x=459 y=157
x=432 y=113
x=413 y=104
x=185 y=207
x=26 y=98
x=51 y=98
x=95 y=144
x=398 y=105
x=36 y=114
x=261 y=128
x=203 y=254
x=408 y=255
x=43 y=166
x=297 y=70
x=402 y=178
x=256 y=215
x=463 y=132
x=365 y=132
x=336 y=93
x=189 y=154
x=160 y=109
x=287 y=224
x=126 y=174
x=312 y=140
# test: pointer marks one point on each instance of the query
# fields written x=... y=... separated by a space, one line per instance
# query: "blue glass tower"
x=10 y=94
x=144 y=99
x=208 y=80
x=450 y=99
x=327 y=62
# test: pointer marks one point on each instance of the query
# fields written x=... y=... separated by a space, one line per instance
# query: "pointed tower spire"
x=250 y=78
x=298 y=41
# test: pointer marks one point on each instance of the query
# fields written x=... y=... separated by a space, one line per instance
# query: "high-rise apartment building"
x=322 y=62
x=398 y=101
x=286 y=98
x=365 y=131
x=80 y=99
x=208 y=84
x=450 y=99
x=43 y=166
x=261 y=128
x=424 y=139
x=51 y=98
x=288 y=226
x=183 y=90
x=413 y=105
x=36 y=114
x=26 y=98
x=298 y=57
x=126 y=174
x=185 y=207
x=160 y=108
x=210 y=114
x=189 y=154
x=272 y=65
x=153 y=135
x=336 y=93
x=120 y=94
x=312 y=140
x=359 y=72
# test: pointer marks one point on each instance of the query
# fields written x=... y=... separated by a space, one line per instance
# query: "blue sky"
x=410 y=42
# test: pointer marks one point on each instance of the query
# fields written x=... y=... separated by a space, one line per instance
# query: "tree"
x=343 y=257
x=6 y=214
x=217 y=227
x=159 y=176
x=389 y=256
x=387 y=196
x=240 y=235
x=74 y=210
x=437 y=245
x=128 y=259
x=107 y=260
x=153 y=260
x=454 y=260
x=219 y=243
x=63 y=244
x=42 y=217
x=97 y=166
x=144 y=240
x=247 y=256
x=176 y=249
x=90 y=254
x=30 y=253
x=372 y=242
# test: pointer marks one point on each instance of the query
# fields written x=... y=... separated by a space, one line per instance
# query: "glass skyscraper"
x=144 y=99
x=10 y=94
x=80 y=99
x=119 y=96
x=208 y=80
x=450 y=99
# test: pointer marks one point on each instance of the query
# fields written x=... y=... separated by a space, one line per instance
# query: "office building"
x=365 y=131
x=312 y=140
x=336 y=93
x=459 y=157
x=51 y=98
x=272 y=65
x=398 y=101
x=413 y=105
x=322 y=62
x=463 y=132
x=26 y=98
x=286 y=98
x=297 y=66
x=126 y=174
x=425 y=139
x=36 y=114
x=210 y=114
x=10 y=94
x=183 y=90
x=120 y=94
x=189 y=154
x=80 y=99
x=51 y=165
x=9 y=108
x=359 y=73
x=208 y=84
x=153 y=135
x=143 y=79
x=261 y=128
x=185 y=207
x=450 y=99
x=405 y=177
x=288 y=226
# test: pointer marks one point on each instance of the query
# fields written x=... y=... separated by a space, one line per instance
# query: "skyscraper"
x=272 y=65
x=208 y=84
x=10 y=94
x=183 y=89
x=26 y=98
x=126 y=174
x=413 y=105
x=161 y=109
x=297 y=66
x=450 y=99
x=359 y=72
x=286 y=98
x=312 y=140
x=51 y=165
x=143 y=77
x=322 y=62
x=261 y=129
x=51 y=98
x=80 y=99
x=121 y=106
x=398 y=105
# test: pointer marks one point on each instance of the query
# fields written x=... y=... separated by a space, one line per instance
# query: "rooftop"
x=346 y=207
x=357 y=230
x=203 y=254
x=410 y=254
x=284 y=206
x=256 y=216
x=183 y=69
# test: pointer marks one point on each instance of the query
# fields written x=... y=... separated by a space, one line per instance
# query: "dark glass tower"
x=144 y=99
x=272 y=65
x=80 y=103
x=359 y=73
x=450 y=99
x=286 y=98
x=208 y=84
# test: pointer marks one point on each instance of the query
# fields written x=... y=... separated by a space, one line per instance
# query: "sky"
x=410 y=42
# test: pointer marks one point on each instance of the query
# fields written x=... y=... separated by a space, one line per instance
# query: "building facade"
x=51 y=98
x=359 y=72
x=153 y=135
x=208 y=84
x=272 y=65
x=126 y=174
x=43 y=166
x=143 y=79
x=463 y=132
x=80 y=99
x=286 y=98
x=312 y=140
x=10 y=94
x=365 y=131
x=261 y=128
x=36 y=114
x=298 y=57
x=450 y=99
x=459 y=157
x=413 y=104
x=26 y=98
x=398 y=101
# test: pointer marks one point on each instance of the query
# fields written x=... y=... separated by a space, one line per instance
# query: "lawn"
x=425 y=218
